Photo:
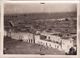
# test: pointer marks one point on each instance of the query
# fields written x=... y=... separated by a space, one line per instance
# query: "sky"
x=38 y=8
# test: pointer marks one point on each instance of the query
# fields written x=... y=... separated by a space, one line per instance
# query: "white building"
x=5 y=33
x=63 y=44
x=46 y=43
x=51 y=37
x=26 y=37
x=67 y=44
x=50 y=41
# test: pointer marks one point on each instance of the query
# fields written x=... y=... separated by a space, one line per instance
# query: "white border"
x=78 y=31
x=41 y=1
x=2 y=25
x=21 y=55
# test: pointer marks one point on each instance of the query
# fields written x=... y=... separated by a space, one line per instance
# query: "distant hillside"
x=44 y=21
x=42 y=15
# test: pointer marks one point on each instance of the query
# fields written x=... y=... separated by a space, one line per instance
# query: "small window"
x=57 y=46
x=42 y=37
x=70 y=41
x=50 y=45
x=49 y=38
x=46 y=43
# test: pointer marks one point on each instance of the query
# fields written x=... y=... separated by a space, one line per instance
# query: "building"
x=67 y=44
x=53 y=41
x=26 y=37
x=45 y=39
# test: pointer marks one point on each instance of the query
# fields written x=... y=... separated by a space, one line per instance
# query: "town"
x=58 y=33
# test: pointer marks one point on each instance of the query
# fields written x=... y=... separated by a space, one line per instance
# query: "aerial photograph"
x=40 y=28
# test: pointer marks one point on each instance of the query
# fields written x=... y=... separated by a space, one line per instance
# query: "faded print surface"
x=40 y=28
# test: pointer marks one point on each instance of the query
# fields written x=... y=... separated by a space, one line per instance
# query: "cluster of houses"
x=43 y=38
x=54 y=41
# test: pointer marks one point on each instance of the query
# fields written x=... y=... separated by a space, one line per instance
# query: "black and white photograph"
x=40 y=28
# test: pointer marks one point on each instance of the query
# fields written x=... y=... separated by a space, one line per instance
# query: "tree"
x=72 y=51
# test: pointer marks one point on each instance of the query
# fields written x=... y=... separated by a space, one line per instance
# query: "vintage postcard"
x=40 y=28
